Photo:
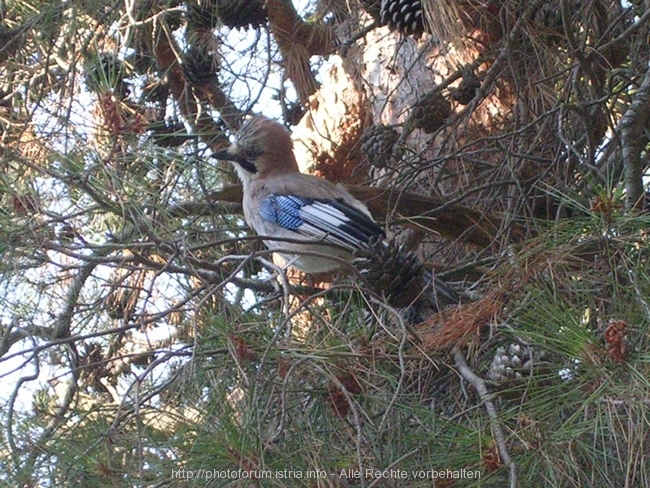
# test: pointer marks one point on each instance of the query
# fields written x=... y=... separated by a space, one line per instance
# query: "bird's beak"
x=227 y=155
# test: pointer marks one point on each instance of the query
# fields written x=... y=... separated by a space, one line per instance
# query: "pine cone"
x=404 y=15
x=430 y=112
x=377 y=144
x=466 y=90
x=199 y=67
x=513 y=363
x=391 y=272
x=238 y=14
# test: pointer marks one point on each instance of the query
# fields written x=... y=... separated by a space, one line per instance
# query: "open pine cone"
x=430 y=112
x=404 y=15
x=238 y=14
x=513 y=363
x=391 y=272
x=199 y=67
x=377 y=143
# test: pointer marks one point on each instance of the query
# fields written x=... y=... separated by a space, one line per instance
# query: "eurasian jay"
x=280 y=202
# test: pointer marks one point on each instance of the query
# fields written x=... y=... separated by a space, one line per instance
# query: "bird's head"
x=262 y=148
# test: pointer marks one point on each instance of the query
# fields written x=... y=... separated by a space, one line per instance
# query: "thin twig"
x=486 y=398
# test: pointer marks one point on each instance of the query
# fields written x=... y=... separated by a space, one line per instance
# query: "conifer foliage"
x=148 y=337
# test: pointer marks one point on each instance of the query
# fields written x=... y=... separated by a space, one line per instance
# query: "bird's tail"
x=442 y=294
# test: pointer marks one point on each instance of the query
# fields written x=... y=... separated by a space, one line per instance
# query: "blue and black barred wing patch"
x=333 y=221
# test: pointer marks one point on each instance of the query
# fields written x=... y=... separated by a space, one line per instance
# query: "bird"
x=316 y=225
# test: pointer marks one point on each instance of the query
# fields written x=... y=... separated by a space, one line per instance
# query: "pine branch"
x=485 y=396
x=289 y=29
x=415 y=211
x=298 y=41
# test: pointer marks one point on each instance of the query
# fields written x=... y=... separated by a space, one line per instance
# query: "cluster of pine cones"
x=429 y=113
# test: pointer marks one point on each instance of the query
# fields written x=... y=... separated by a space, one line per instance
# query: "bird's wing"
x=331 y=220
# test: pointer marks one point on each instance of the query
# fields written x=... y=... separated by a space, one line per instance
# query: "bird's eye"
x=252 y=153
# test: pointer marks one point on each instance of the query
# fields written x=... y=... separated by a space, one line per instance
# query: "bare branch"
x=485 y=396
x=633 y=140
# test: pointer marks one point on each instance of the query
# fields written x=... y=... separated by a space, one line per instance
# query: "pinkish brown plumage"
x=263 y=157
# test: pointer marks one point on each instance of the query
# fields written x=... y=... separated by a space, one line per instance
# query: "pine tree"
x=147 y=334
